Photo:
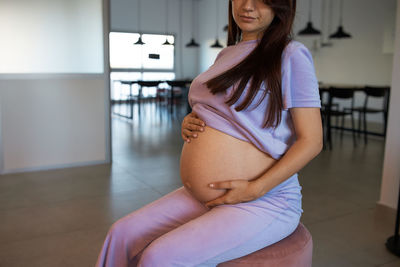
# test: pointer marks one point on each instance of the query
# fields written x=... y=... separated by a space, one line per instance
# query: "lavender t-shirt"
x=299 y=89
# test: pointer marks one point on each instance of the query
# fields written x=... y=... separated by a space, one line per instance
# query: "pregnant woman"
x=255 y=124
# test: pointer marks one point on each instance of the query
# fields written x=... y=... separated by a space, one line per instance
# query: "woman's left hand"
x=237 y=191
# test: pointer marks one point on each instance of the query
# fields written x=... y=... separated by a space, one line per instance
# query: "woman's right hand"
x=191 y=125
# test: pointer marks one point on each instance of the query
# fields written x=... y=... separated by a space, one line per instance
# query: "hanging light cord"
x=309 y=10
x=217 y=19
x=330 y=16
x=193 y=18
x=166 y=18
x=138 y=11
x=341 y=13
x=323 y=22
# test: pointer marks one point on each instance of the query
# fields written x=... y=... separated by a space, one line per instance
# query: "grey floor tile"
x=76 y=248
x=357 y=238
x=395 y=263
x=165 y=189
x=71 y=215
x=67 y=185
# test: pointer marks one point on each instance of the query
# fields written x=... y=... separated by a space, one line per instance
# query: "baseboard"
x=385 y=208
x=55 y=167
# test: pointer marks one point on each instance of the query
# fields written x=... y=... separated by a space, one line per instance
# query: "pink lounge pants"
x=178 y=230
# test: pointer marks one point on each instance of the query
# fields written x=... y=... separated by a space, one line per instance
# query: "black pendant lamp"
x=340 y=33
x=192 y=42
x=325 y=42
x=217 y=44
x=167 y=42
x=139 y=41
x=166 y=24
x=309 y=29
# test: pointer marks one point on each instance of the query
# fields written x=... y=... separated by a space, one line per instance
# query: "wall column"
x=391 y=165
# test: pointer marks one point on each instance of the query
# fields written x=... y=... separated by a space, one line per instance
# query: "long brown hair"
x=263 y=64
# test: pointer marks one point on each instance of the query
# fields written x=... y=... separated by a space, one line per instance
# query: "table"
x=325 y=89
x=177 y=83
x=153 y=83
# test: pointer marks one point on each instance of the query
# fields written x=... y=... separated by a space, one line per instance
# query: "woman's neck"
x=248 y=37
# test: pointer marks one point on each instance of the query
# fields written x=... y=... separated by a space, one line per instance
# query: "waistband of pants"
x=291 y=182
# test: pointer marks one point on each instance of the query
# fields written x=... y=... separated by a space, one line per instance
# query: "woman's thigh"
x=225 y=232
x=129 y=235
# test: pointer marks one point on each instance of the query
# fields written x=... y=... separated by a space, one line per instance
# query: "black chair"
x=324 y=97
x=130 y=99
x=146 y=84
x=332 y=109
x=373 y=92
x=162 y=94
x=143 y=84
x=177 y=87
x=324 y=105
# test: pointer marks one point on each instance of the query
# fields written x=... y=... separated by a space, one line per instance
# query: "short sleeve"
x=299 y=82
x=220 y=53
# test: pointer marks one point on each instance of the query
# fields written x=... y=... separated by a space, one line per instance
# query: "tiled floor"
x=60 y=217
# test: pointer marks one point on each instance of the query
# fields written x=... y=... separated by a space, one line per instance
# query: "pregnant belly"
x=215 y=156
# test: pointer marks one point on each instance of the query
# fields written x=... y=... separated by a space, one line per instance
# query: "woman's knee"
x=124 y=227
x=116 y=230
x=152 y=256
x=161 y=254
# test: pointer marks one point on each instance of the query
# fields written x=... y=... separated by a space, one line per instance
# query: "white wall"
x=208 y=30
x=391 y=166
x=361 y=59
x=56 y=36
x=153 y=20
x=51 y=116
x=366 y=58
x=53 y=122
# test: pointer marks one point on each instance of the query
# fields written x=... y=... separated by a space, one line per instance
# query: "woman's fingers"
x=187 y=133
x=193 y=124
x=185 y=137
x=199 y=122
x=193 y=118
x=196 y=122
x=190 y=125
x=194 y=127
